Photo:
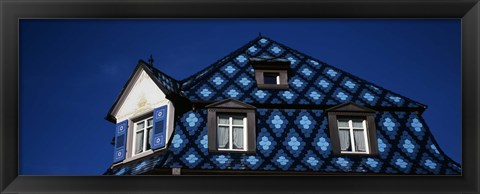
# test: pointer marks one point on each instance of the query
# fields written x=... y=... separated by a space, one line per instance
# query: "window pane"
x=139 y=142
x=223 y=120
x=149 y=122
x=343 y=123
x=222 y=137
x=359 y=141
x=238 y=137
x=344 y=135
x=357 y=123
x=140 y=125
x=238 y=120
x=270 y=78
x=149 y=138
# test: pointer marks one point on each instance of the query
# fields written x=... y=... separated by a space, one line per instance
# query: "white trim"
x=352 y=136
x=230 y=126
x=145 y=135
x=365 y=136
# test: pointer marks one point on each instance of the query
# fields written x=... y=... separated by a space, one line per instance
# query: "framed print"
x=279 y=102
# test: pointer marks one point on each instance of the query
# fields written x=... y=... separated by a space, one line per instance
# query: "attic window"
x=352 y=134
x=271 y=73
x=143 y=135
x=231 y=127
x=231 y=132
x=271 y=78
x=352 y=130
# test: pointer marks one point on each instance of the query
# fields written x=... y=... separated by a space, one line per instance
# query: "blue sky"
x=71 y=72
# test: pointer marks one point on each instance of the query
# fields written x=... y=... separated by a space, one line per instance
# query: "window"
x=352 y=129
x=271 y=78
x=352 y=135
x=143 y=135
x=231 y=127
x=231 y=132
x=271 y=73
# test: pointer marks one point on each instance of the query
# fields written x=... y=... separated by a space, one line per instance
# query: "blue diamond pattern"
x=205 y=92
x=245 y=81
x=252 y=49
x=265 y=142
x=177 y=141
x=416 y=125
x=282 y=160
x=408 y=145
x=191 y=158
x=294 y=143
x=191 y=120
x=252 y=160
x=288 y=96
x=276 y=50
x=218 y=80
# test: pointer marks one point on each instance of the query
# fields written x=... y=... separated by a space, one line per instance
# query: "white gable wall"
x=141 y=96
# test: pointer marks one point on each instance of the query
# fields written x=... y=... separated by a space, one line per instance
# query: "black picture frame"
x=12 y=11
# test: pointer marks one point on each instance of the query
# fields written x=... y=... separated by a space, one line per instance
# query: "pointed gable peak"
x=230 y=103
x=349 y=107
x=233 y=76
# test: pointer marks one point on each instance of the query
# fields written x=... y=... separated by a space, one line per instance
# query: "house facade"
x=266 y=108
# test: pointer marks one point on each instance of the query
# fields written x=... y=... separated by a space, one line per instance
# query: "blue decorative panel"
x=120 y=141
x=159 y=127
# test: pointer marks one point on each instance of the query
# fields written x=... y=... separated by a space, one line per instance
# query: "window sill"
x=233 y=151
x=136 y=157
x=272 y=86
x=355 y=154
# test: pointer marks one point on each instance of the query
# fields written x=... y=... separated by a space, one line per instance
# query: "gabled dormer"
x=270 y=72
x=231 y=127
x=352 y=129
x=143 y=113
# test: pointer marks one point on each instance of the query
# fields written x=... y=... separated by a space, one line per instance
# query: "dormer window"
x=271 y=73
x=143 y=135
x=271 y=78
x=352 y=133
x=231 y=127
x=352 y=129
x=231 y=132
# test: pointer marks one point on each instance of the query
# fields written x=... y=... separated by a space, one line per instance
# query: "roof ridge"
x=215 y=65
x=345 y=72
x=155 y=69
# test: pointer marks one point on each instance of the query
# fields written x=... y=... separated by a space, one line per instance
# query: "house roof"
x=310 y=80
x=296 y=139
x=171 y=85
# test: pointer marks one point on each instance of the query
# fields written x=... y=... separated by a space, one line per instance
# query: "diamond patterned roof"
x=311 y=81
x=295 y=139
x=169 y=83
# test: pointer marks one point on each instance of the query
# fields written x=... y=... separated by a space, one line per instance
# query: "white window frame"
x=145 y=136
x=230 y=126
x=352 y=136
